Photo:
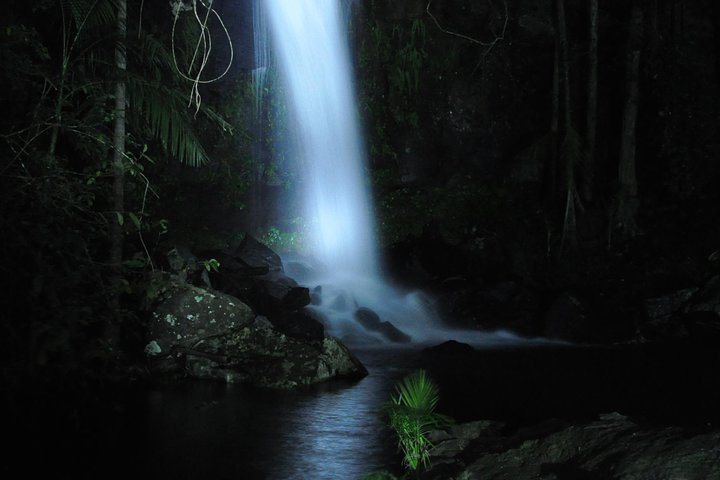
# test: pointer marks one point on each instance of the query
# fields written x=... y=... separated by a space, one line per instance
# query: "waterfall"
x=312 y=52
x=309 y=45
x=260 y=56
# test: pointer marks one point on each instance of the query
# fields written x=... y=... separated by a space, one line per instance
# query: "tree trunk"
x=716 y=32
x=591 y=119
x=118 y=164
x=569 y=230
x=554 y=121
x=627 y=199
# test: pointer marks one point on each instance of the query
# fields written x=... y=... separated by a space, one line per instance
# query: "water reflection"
x=206 y=430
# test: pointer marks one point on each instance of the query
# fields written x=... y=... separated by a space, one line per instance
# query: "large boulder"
x=254 y=273
x=265 y=357
x=207 y=334
x=185 y=315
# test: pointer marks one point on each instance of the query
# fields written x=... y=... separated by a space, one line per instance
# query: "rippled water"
x=334 y=431
x=200 y=430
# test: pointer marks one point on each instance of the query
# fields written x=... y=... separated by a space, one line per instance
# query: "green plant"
x=412 y=415
x=211 y=265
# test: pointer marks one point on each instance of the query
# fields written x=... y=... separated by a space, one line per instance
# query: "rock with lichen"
x=185 y=314
x=207 y=334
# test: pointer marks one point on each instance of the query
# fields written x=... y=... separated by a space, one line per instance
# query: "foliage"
x=412 y=415
x=456 y=208
x=284 y=241
x=397 y=50
x=211 y=265
x=56 y=178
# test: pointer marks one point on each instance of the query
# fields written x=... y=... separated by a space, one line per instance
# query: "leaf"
x=135 y=220
x=120 y=218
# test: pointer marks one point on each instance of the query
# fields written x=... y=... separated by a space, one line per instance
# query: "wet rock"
x=210 y=335
x=612 y=447
x=267 y=358
x=253 y=253
x=254 y=273
x=703 y=327
x=662 y=320
x=707 y=299
x=301 y=324
x=449 y=351
x=316 y=295
x=371 y=322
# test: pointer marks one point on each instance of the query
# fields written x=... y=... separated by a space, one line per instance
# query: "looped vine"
x=490 y=45
x=204 y=43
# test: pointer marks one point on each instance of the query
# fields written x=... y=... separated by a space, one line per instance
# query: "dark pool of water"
x=335 y=431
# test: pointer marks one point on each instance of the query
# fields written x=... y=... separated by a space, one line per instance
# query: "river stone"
x=185 y=314
x=372 y=323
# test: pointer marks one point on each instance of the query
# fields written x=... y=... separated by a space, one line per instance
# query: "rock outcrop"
x=207 y=334
x=610 y=448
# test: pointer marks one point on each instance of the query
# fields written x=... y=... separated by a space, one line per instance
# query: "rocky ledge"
x=613 y=447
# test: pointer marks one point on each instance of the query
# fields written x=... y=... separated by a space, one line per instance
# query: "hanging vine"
x=203 y=46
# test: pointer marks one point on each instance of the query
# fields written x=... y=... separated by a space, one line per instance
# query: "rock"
x=662 y=315
x=367 y=318
x=449 y=351
x=255 y=254
x=449 y=444
x=254 y=273
x=210 y=335
x=703 y=327
x=262 y=322
x=707 y=299
x=285 y=291
x=267 y=358
x=301 y=324
x=566 y=319
x=372 y=323
x=316 y=295
x=612 y=447
x=663 y=307
x=185 y=314
x=187 y=267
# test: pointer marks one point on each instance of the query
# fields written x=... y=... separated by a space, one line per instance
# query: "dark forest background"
x=543 y=147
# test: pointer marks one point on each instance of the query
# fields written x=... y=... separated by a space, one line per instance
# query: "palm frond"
x=92 y=14
x=166 y=119
x=417 y=392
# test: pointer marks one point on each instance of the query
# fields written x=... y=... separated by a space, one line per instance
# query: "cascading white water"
x=309 y=44
x=309 y=41
x=260 y=54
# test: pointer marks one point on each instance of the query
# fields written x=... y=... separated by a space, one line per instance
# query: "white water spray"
x=310 y=46
x=313 y=56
